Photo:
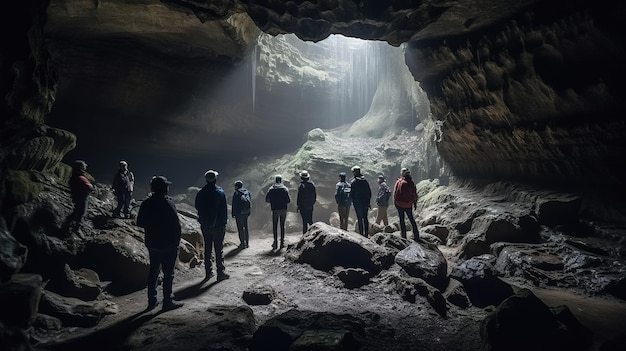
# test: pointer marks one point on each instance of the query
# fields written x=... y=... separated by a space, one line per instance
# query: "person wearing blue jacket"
x=213 y=216
x=159 y=219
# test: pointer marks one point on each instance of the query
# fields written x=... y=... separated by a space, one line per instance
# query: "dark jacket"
x=124 y=181
x=211 y=206
x=360 y=192
x=80 y=186
x=158 y=217
x=342 y=194
x=307 y=195
x=278 y=196
x=237 y=207
x=382 y=198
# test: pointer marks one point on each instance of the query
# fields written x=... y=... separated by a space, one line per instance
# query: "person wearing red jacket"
x=80 y=188
x=405 y=200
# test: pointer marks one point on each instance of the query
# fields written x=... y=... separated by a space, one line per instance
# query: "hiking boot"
x=208 y=276
x=172 y=305
x=274 y=245
x=282 y=244
x=222 y=276
x=152 y=305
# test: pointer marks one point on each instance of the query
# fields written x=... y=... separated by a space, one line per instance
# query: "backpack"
x=244 y=202
x=343 y=196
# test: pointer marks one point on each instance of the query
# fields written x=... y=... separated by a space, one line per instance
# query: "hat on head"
x=278 y=178
x=123 y=163
x=239 y=184
x=380 y=176
x=404 y=170
x=355 y=168
x=304 y=175
x=159 y=183
x=80 y=164
x=210 y=175
x=342 y=174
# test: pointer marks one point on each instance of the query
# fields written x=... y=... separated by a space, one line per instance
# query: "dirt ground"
x=398 y=324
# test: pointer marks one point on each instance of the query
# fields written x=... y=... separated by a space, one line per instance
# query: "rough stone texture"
x=75 y=312
x=425 y=261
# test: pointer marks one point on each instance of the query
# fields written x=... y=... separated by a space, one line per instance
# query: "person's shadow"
x=234 y=252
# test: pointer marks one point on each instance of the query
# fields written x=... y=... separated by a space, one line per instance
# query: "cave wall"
x=538 y=97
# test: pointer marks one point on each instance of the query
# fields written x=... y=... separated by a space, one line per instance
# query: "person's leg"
x=416 y=233
x=119 y=196
x=309 y=218
x=360 y=219
x=126 y=206
x=283 y=217
x=366 y=222
x=167 y=264
x=275 y=217
x=343 y=217
x=304 y=220
x=379 y=215
x=153 y=276
x=382 y=211
x=208 y=252
x=246 y=232
x=218 y=242
x=80 y=210
x=239 y=219
x=402 y=224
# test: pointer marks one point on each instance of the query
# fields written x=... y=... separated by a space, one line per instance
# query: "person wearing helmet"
x=342 y=198
x=240 y=210
x=307 y=196
x=213 y=216
x=405 y=200
x=158 y=217
x=80 y=188
x=361 y=195
x=278 y=198
x=123 y=184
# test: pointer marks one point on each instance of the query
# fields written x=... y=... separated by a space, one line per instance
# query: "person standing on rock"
x=240 y=210
x=342 y=197
x=213 y=216
x=278 y=198
x=123 y=184
x=307 y=196
x=80 y=188
x=361 y=195
x=405 y=200
x=382 y=200
x=158 y=217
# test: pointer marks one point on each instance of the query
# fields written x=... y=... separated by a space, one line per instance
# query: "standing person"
x=80 y=188
x=278 y=198
x=213 y=215
x=123 y=184
x=240 y=208
x=361 y=195
x=342 y=197
x=159 y=219
x=307 y=196
x=382 y=200
x=405 y=200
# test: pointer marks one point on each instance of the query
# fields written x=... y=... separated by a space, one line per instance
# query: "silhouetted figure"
x=80 y=188
x=307 y=196
x=241 y=209
x=123 y=184
x=405 y=200
x=213 y=216
x=361 y=195
x=342 y=197
x=159 y=219
x=382 y=200
x=278 y=198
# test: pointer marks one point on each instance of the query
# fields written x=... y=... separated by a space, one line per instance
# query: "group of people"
x=159 y=218
x=358 y=193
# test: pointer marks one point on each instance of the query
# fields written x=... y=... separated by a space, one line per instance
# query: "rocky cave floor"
x=216 y=317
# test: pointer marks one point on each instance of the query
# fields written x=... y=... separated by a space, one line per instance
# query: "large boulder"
x=74 y=312
x=478 y=276
x=83 y=284
x=325 y=247
x=424 y=261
